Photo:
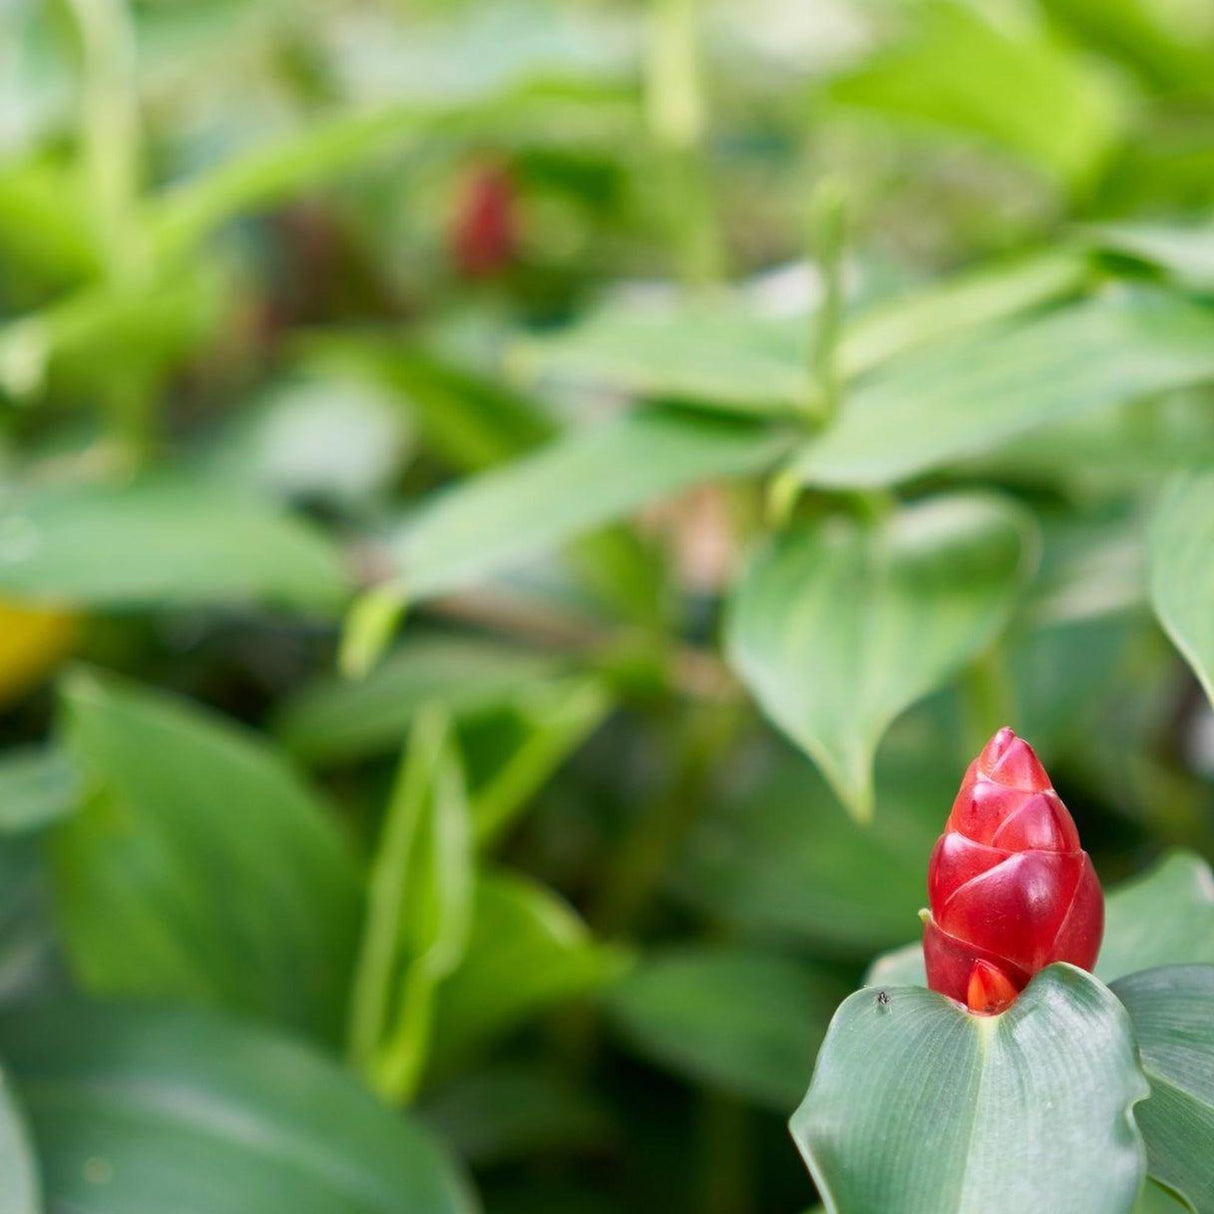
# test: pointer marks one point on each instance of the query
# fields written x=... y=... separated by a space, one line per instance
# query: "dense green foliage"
x=514 y=515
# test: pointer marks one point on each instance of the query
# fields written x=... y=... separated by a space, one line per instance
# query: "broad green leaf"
x=965 y=398
x=729 y=354
x=138 y=1111
x=774 y=855
x=1182 y=571
x=1164 y=917
x=838 y=626
x=1160 y=40
x=335 y=720
x=505 y=516
x=314 y=437
x=37 y=787
x=419 y=911
x=527 y=951
x=164 y=542
x=20 y=1190
x=745 y=1021
x=199 y=867
x=959 y=66
x=1170 y=1008
x=918 y=1106
x=1185 y=254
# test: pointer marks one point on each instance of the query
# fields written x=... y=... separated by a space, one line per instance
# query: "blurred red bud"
x=484 y=235
x=1011 y=891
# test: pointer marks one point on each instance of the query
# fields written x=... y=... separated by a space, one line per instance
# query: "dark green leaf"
x=918 y=1106
x=1182 y=572
x=163 y=542
x=777 y=856
x=837 y=627
x=336 y=719
x=37 y=787
x=1184 y=253
x=527 y=951
x=1170 y=1008
x=746 y=1021
x=19 y=1186
x=140 y=1111
x=199 y=865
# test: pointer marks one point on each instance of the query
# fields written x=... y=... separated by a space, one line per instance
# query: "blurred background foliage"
x=514 y=516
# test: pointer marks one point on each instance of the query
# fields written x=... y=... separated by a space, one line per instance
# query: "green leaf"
x=1155 y=1199
x=838 y=626
x=30 y=962
x=738 y=1019
x=21 y=1190
x=959 y=66
x=503 y=517
x=918 y=1106
x=1185 y=254
x=920 y=413
x=731 y=355
x=335 y=720
x=513 y=1112
x=419 y=911
x=1170 y=1008
x=37 y=787
x=527 y=951
x=199 y=867
x=138 y=1111
x=164 y=542
x=180 y=217
x=1182 y=571
x=1164 y=917
x=776 y=856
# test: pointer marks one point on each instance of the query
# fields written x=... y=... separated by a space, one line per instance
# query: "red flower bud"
x=1011 y=890
x=483 y=235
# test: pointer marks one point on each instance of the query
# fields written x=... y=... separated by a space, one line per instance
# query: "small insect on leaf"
x=883 y=998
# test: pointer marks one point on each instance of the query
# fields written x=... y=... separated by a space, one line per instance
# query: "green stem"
x=728 y=1156
x=110 y=133
x=379 y=959
x=676 y=117
x=643 y=859
x=828 y=240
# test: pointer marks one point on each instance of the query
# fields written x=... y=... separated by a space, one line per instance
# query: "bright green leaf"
x=729 y=354
x=1182 y=571
x=199 y=867
x=1185 y=254
x=503 y=517
x=965 y=398
x=918 y=1106
x=838 y=626
x=140 y=1111
x=163 y=543
x=738 y=1019
x=959 y=67
x=1170 y=1008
